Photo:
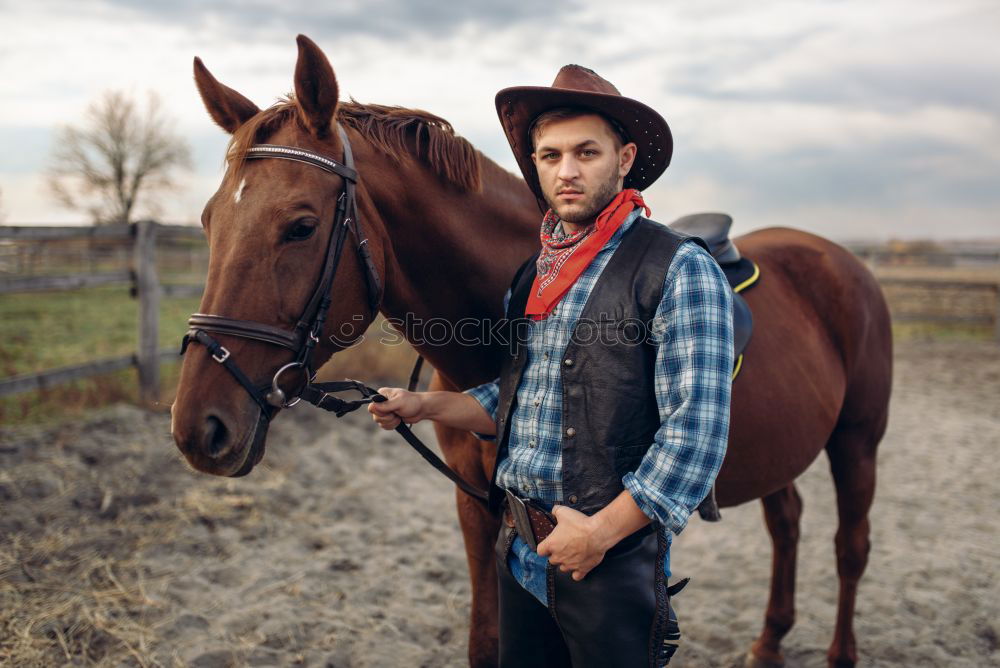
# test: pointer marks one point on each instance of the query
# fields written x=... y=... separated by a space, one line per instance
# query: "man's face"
x=579 y=166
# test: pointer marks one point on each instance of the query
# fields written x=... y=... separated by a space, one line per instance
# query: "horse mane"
x=399 y=132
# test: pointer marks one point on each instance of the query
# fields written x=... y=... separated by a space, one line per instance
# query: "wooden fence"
x=988 y=294
x=146 y=287
x=876 y=256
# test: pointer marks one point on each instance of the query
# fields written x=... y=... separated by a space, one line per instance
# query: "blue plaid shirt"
x=693 y=328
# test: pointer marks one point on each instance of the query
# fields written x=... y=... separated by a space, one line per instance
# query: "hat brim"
x=517 y=107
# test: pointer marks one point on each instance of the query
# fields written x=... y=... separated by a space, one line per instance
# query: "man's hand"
x=575 y=545
x=451 y=409
x=579 y=542
x=400 y=405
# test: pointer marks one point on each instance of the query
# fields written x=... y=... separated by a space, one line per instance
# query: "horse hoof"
x=753 y=661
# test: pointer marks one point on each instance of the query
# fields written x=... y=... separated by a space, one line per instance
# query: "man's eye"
x=589 y=153
x=549 y=156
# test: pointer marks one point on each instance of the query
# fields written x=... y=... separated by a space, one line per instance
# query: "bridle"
x=303 y=338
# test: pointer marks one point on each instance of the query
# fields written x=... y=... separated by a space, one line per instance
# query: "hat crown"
x=576 y=77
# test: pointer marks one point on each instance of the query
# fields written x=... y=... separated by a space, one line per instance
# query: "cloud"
x=758 y=129
x=890 y=56
x=878 y=111
x=397 y=20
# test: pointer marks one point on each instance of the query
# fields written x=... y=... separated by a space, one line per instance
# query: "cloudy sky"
x=849 y=118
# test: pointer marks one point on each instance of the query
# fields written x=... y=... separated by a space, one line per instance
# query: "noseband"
x=303 y=338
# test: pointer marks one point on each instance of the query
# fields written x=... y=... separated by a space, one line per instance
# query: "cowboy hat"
x=577 y=86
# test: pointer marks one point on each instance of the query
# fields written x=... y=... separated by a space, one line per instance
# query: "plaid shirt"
x=694 y=362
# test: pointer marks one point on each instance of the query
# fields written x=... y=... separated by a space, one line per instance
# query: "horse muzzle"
x=211 y=444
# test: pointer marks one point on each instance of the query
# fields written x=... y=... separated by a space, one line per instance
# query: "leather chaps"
x=619 y=615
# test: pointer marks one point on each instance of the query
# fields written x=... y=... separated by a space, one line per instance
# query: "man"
x=606 y=442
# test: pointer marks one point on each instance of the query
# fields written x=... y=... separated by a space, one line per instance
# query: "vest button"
x=570 y=431
x=573 y=498
x=568 y=362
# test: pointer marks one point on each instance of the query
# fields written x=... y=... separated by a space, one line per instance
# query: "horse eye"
x=301 y=230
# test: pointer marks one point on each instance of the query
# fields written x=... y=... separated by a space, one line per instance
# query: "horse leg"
x=473 y=460
x=480 y=530
x=851 y=451
x=782 y=511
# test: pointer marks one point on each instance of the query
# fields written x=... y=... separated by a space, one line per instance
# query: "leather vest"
x=609 y=409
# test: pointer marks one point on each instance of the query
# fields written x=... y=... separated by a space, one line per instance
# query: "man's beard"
x=595 y=204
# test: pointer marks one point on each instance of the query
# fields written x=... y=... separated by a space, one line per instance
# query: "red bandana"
x=564 y=258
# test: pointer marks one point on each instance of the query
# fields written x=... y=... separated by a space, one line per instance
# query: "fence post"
x=147 y=287
x=996 y=312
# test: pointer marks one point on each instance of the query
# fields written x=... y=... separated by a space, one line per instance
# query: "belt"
x=534 y=524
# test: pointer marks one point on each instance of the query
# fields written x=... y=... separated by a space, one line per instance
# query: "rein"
x=302 y=339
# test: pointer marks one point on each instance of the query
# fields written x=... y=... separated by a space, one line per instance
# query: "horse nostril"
x=216 y=435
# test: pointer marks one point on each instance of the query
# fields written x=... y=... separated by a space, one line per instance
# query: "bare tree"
x=118 y=160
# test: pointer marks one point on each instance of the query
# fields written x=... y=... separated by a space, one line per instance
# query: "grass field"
x=41 y=331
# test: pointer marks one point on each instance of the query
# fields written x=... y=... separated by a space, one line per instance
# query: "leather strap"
x=318 y=394
x=542 y=524
x=415 y=374
x=221 y=355
x=298 y=155
x=246 y=329
x=353 y=221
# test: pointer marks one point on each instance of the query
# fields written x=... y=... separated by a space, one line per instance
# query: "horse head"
x=271 y=228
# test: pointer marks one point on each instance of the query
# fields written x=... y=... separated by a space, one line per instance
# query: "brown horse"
x=447 y=227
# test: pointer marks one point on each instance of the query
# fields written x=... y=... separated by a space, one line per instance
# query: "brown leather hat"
x=577 y=86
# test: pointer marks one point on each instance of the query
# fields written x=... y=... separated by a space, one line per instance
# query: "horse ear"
x=315 y=87
x=226 y=107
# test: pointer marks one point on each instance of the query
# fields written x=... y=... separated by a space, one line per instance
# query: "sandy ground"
x=344 y=550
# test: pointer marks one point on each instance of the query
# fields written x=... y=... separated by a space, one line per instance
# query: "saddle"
x=742 y=273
